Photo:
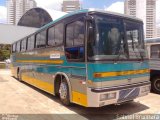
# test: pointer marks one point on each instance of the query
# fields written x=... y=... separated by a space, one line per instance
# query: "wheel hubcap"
x=63 y=90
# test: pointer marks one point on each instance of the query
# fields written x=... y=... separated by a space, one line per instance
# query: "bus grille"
x=128 y=94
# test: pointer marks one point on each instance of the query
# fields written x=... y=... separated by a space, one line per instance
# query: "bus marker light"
x=97 y=75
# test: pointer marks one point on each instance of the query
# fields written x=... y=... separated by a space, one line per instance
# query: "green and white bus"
x=89 y=57
x=153 y=48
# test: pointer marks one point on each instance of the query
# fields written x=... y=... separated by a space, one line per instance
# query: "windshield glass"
x=134 y=32
x=112 y=43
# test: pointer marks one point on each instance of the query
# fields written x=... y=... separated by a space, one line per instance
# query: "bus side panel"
x=40 y=67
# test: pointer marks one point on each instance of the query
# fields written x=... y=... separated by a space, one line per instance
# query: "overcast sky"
x=110 y=5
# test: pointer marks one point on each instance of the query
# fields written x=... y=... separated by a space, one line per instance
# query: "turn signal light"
x=97 y=75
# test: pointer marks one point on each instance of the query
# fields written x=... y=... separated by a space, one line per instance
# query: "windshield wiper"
x=121 y=50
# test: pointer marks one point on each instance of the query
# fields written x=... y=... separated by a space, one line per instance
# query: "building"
x=130 y=7
x=29 y=23
x=158 y=31
x=16 y=8
x=145 y=10
x=70 y=5
x=15 y=33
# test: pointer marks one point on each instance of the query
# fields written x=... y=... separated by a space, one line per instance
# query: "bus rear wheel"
x=155 y=85
x=19 y=75
x=64 y=92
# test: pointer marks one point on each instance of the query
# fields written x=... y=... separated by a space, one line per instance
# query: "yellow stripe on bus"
x=41 y=61
x=79 y=98
x=48 y=87
x=121 y=73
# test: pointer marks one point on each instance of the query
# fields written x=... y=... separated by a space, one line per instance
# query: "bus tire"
x=155 y=85
x=19 y=75
x=64 y=92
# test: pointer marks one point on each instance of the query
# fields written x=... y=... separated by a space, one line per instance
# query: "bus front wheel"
x=64 y=92
x=155 y=85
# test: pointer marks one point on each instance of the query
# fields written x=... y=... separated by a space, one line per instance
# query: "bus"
x=153 y=48
x=91 y=58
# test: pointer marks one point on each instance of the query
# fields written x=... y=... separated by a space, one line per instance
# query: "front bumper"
x=123 y=93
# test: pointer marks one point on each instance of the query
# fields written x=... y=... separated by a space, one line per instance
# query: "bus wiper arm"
x=120 y=50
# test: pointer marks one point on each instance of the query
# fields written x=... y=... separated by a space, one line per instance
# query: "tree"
x=4 y=51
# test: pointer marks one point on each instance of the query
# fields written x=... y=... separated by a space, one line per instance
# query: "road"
x=28 y=102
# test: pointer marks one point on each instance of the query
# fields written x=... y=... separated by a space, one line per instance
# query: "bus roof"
x=152 y=40
x=88 y=11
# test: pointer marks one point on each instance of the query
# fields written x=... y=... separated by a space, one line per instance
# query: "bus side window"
x=55 y=35
x=23 y=45
x=14 y=48
x=31 y=42
x=75 y=33
x=155 y=51
x=58 y=34
x=41 y=39
x=51 y=36
x=18 y=46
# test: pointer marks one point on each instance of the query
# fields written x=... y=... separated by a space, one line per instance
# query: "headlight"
x=107 y=96
x=111 y=95
x=103 y=97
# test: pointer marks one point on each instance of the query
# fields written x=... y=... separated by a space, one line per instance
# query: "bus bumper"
x=98 y=97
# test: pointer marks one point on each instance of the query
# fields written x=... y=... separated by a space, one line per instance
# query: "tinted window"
x=155 y=51
x=75 y=33
x=55 y=35
x=31 y=41
x=79 y=33
x=18 y=47
x=135 y=40
x=23 y=45
x=51 y=41
x=13 y=47
x=41 y=39
x=59 y=34
x=70 y=35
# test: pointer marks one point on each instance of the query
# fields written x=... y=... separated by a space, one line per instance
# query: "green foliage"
x=4 y=51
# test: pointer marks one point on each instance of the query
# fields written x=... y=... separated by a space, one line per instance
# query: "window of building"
x=41 y=39
x=75 y=33
x=23 y=45
x=31 y=42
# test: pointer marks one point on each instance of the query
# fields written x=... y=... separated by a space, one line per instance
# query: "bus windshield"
x=116 y=39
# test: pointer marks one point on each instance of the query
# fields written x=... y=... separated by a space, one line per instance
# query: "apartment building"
x=16 y=8
x=70 y=5
x=145 y=10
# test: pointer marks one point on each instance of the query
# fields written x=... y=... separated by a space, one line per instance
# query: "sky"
x=110 y=5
